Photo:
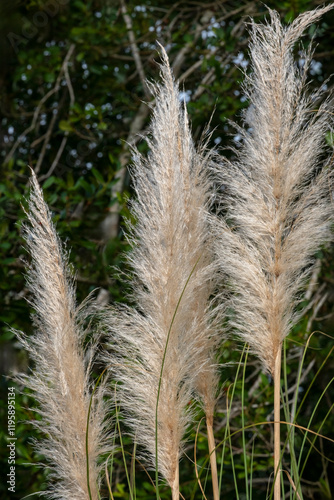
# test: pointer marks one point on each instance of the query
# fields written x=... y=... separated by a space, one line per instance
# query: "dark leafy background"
x=73 y=97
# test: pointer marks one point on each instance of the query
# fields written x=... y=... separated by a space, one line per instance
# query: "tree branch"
x=134 y=49
x=40 y=104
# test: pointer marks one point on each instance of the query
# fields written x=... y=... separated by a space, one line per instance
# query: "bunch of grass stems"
x=163 y=352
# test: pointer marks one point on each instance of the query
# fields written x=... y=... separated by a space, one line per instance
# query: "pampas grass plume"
x=172 y=262
x=60 y=379
x=277 y=192
x=277 y=195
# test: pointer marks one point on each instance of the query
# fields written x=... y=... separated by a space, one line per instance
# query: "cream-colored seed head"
x=277 y=192
x=171 y=255
x=60 y=378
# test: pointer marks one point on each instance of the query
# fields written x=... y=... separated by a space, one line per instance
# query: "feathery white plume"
x=277 y=198
x=172 y=262
x=60 y=377
x=277 y=192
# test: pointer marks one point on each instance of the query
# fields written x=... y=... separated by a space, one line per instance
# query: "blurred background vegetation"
x=73 y=99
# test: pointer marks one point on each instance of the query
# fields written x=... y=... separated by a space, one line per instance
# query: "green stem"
x=123 y=454
x=243 y=423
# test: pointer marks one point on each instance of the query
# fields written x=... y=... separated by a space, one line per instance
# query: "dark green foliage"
x=95 y=120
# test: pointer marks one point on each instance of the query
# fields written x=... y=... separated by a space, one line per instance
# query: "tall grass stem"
x=277 y=424
x=213 y=459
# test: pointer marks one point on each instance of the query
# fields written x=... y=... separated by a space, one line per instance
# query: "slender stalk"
x=228 y=434
x=316 y=434
x=277 y=424
x=251 y=472
x=289 y=417
x=213 y=460
x=87 y=433
x=133 y=471
x=123 y=452
x=175 y=485
x=243 y=423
